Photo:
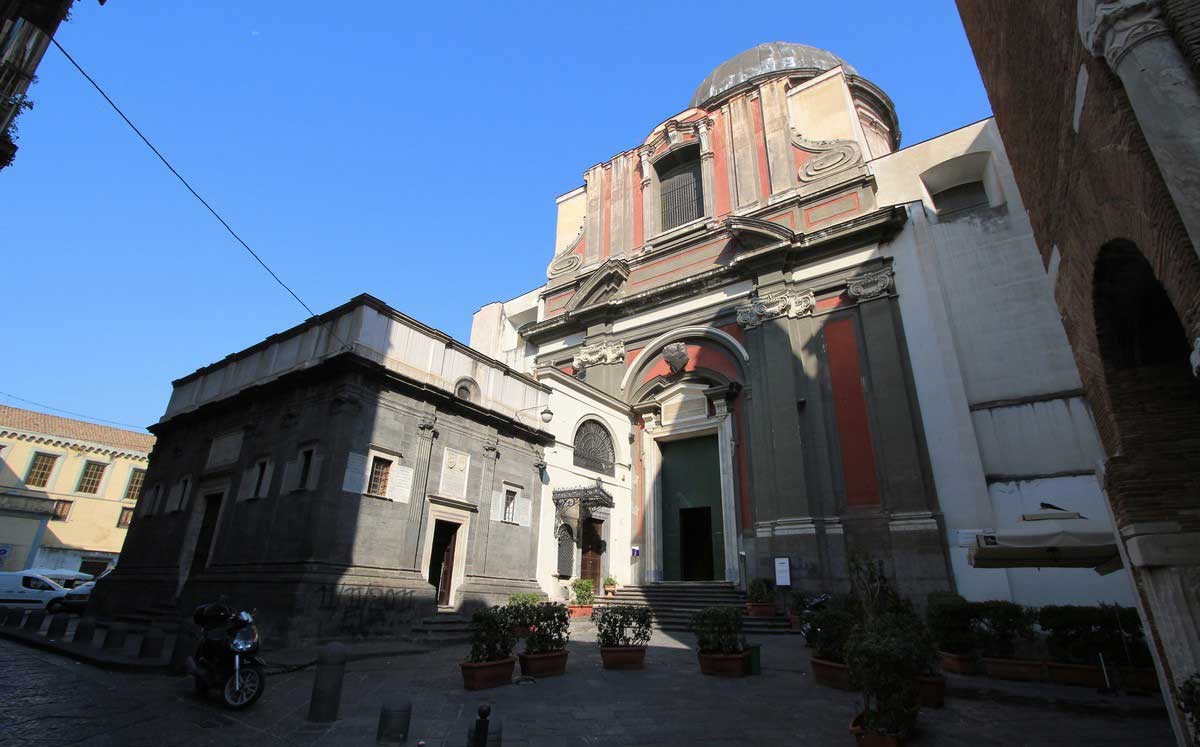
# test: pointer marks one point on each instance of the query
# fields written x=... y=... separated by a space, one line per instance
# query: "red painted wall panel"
x=850 y=408
x=760 y=150
x=720 y=164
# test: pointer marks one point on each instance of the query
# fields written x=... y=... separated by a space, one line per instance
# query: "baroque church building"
x=778 y=338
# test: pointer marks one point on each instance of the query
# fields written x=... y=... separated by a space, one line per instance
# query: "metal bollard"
x=394 y=719
x=33 y=623
x=58 y=627
x=85 y=631
x=485 y=731
x=115 y=639
x=152 y=644
x=185 y=646
x=327 y=687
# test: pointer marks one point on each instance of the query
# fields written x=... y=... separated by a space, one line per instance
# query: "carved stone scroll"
x=784 y=303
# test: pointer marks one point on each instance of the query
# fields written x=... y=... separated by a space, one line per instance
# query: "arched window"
x=594 y=448
x=680 y=190
x=466 y=389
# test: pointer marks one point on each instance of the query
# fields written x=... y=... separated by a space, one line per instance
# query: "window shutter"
x=265 y=489
x=247 y=486
x=393 y=484
x=566 y=555
x=356 y=473
x=173 y=500
x=314 y=472
x=524 y=509
x=291 y=470
x=497 y=505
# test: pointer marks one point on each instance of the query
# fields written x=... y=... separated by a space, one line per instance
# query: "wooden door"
x=593 y=547
x=446 y=578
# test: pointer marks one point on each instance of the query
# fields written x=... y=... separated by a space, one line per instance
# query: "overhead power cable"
x=70 y=412
x=179 y=176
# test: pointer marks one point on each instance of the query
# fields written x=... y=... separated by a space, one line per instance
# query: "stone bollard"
x=327 y=687
x=394 y=719
x=85 y=631
x=152 y=644
x=58 y=627
x=33 y=623
x=115 y=639
x=485 y=731
x=185 y=646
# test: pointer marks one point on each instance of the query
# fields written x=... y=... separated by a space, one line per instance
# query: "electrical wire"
x=69 y=412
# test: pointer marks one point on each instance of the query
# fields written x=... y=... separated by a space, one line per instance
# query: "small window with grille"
x=380 y=470
x=126 y=517
x=89 y=481
x=134 y=489
x=510 y=506
x=39 y=471
x=62 y=509
x=681 y=196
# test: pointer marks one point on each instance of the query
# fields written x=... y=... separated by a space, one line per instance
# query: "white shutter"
x=393 y=481
x=314 y=472
x=524 y=509
x=290 y=476
x=174 y=498
x=247 y=486
x=497 y=505
x=356 y=473
x=265 y=488
x=400 y=483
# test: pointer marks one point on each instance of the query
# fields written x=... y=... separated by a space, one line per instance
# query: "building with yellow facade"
x=67 y=490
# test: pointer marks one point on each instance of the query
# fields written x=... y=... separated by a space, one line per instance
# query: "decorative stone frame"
x=671 y=134
x=435 y=512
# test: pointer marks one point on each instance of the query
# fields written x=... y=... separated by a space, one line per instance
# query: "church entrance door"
x=693 y=538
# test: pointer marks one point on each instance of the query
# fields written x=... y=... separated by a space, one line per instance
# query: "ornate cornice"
x=1111 y=28
x=869 y=286
x=611 y=351
x=784 y=303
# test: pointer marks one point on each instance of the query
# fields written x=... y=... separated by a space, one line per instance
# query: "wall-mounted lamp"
x=546 y=414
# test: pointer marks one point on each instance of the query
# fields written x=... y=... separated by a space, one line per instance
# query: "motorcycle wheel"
x=253 y=684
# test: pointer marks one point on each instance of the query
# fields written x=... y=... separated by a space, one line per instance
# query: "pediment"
x=606 y=283
x=755 y=233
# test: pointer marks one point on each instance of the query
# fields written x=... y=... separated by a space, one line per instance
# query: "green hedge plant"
x=886 y=653
x=551 y=628
x=1001 y=624
x=524 y=597
x=831 y=627
x=1081 y=634
x=492 y=638
x=719 y=630
x=623 y=625
x=1189 y=700
x=952 y=622
x=760 y=592
x=585 y=592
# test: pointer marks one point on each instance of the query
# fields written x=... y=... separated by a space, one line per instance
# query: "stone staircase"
x=442 y=628
x=674 y=602
x=164 y=616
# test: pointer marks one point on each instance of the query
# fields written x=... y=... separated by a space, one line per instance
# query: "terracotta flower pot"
x=958 y=663
x=482 y=675
x=549 y=664
x=1079 y=675
x=1140 y=678
x=867 y=739
x=725 y=665
x=610 y=590
x=754 y=609
x=831 y=674
x=623 y=657
x=1022 y=670
x=580 y=610
x=931 y=688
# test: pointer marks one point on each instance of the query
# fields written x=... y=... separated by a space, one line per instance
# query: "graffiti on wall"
x=365 y=611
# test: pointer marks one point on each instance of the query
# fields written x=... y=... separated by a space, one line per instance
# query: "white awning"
x=1048 y=539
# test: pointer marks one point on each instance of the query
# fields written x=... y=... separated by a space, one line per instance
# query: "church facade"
x=786 y=341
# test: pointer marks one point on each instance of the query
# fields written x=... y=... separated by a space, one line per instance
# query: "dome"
x=772 y=57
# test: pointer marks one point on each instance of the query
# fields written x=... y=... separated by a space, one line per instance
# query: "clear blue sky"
x=409 y=150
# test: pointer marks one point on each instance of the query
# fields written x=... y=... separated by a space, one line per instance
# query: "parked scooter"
x=811 y=606
x=226 y=658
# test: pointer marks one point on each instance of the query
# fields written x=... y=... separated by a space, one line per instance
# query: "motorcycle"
x=226 y=658
x=811 y=606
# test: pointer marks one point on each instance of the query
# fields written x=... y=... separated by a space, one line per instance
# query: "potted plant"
x=761 y=598
x=521 y=609
x=623 y=632
x=490 y=662
x=797 y=607
x=953 y=625
x=1001 y=625
x=585 y=594
x=719 y=634
x=886 y=652
x=546 y=647
x=610 y=586
x=830 y=628
x=1076 y=637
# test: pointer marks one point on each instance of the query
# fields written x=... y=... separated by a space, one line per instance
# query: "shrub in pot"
x=610 y=586
x=520 y=610
x=719 y=633
x=585 y=594
x=797 y=607
x=623 y=632
x=886 y=654
x=830 y=629
x=546 y=647
x=490 y=662
x=1001 y=624
x=953 y=625
x=761 y=598
x=1079 y=636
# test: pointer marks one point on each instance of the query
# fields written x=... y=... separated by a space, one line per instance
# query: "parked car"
x=25 y=589
x=66 y=579
x=77 y=598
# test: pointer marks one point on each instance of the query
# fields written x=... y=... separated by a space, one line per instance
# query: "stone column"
x=708 y=183
x=1133 y=37
x=477 y=556
x=650 y=218
x=652 y=501
x=426 y=435
x=726 y=449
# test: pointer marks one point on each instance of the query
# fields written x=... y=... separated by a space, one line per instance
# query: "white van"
x=25 y=589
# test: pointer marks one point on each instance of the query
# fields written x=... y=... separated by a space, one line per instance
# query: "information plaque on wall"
x=783 y=572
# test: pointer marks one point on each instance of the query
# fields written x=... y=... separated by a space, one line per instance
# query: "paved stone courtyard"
x=52 y=700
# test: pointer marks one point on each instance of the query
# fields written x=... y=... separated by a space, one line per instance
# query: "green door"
x=693 y=540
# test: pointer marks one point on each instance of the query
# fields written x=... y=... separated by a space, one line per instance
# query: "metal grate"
x=594 y=448
x=680 y=195
x=379 y=476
